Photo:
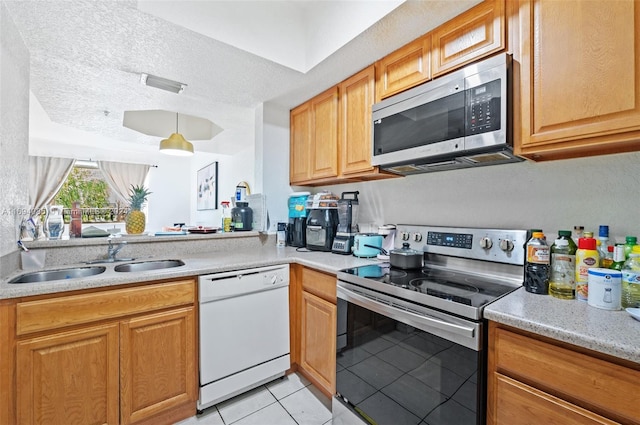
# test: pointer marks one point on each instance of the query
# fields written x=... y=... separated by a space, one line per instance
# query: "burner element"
x=457 y=292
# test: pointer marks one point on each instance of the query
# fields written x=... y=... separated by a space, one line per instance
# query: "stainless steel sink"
x=60 y=274
x=148 y=265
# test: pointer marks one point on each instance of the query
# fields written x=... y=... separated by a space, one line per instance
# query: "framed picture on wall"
x=207 y=187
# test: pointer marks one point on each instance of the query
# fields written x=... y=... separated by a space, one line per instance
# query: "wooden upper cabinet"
x=580 y=78
x=407 y=67
x=324 y=134
x=300 y=144
x=356 y=99
x=476 y=33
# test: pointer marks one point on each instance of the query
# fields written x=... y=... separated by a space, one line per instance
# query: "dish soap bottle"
x=562 y=282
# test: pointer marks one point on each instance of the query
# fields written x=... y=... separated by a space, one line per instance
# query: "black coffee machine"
x=322 y=225
x=297 y=225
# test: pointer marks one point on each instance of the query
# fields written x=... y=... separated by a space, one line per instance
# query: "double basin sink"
x=76 y=272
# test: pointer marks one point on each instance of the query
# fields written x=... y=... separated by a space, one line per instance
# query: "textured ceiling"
x=87 y=56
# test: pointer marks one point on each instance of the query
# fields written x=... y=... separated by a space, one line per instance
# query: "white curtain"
x=46 y=176
x=121 y=176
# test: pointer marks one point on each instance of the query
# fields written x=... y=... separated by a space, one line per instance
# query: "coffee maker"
x=347 y=223
x=297 y=226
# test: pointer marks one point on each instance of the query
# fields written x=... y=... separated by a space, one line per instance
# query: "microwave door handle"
x=441 y=163
x=404 y=315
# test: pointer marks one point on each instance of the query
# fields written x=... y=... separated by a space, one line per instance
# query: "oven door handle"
x=419 y=320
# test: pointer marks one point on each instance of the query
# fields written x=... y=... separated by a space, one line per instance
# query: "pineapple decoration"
x=135 y=220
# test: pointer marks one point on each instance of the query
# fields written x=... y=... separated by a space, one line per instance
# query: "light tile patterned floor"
x=288 y=401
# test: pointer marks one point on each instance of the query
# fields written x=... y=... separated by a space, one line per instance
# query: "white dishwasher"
x=244 y=331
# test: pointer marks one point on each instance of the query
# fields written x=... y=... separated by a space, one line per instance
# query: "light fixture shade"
x=177 y=145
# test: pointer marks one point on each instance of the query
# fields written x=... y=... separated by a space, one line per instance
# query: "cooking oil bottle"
x=562 y=283
x=631 y=279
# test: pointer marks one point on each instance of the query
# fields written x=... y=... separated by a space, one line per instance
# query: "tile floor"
x=287 y=401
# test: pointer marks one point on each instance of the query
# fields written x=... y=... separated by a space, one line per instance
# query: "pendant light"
x=176 y=144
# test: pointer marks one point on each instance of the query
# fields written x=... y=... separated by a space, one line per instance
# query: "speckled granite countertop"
x=611 y=332
x=195 y=264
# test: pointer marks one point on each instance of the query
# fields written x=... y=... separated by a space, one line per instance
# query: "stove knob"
x=404 y=236
x=506 y=245
x=486 y=243
x=417 y=237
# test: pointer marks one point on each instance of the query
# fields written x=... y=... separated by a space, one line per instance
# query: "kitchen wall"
x=14 y=128
x=549 y=195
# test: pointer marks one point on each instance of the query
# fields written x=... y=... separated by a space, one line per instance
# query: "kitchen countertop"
x=575 y=322
x=614 y=333
x=195 y=264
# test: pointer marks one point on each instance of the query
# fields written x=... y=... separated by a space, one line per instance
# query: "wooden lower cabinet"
x=536 y=380
x=313 y=326
x=133 y=362
x=318 y=341
x=521 y=404
x=157 y=364
x=69 y=377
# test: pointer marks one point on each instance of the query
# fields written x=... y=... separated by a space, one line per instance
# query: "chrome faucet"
x=113 y=251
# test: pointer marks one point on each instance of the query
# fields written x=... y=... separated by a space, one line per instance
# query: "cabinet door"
x=476 y=33
x=69 y=377
x=405 y=68
x=356 y=99
x=158 y=364
x=520 y=404
x=324 y=139
x=318 y=342
x=300 y=144
x=580 y=78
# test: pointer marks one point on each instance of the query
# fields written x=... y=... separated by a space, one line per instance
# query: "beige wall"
x=14 y=132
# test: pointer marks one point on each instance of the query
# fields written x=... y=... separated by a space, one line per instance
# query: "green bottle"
x=628 y=246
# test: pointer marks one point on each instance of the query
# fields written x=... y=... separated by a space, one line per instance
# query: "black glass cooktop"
x=459 y=287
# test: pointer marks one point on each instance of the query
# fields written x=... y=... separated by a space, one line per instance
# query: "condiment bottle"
x=226 y=216
x=562 y=282
x=586 y=257
x=577 y=233
x=618 y=257
x=536 y=272
x=607 y=261
x=631 y=279
x=603 y=245
x=75 y=226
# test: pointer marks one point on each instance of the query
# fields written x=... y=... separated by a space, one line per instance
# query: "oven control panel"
x=497 y=245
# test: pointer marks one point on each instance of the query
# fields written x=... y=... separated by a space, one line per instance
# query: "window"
x=86 y=185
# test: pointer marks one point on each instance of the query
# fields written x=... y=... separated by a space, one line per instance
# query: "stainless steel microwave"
x=460 y=120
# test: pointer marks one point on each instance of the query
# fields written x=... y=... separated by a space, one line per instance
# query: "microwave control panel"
x=483 y=108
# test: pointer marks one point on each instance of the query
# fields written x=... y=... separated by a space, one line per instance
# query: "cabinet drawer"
x=599 y=385
x=320 y=284
x=53 y=313
x=520 y=404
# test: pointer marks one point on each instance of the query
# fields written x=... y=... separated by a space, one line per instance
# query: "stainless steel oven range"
x=412 y=343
